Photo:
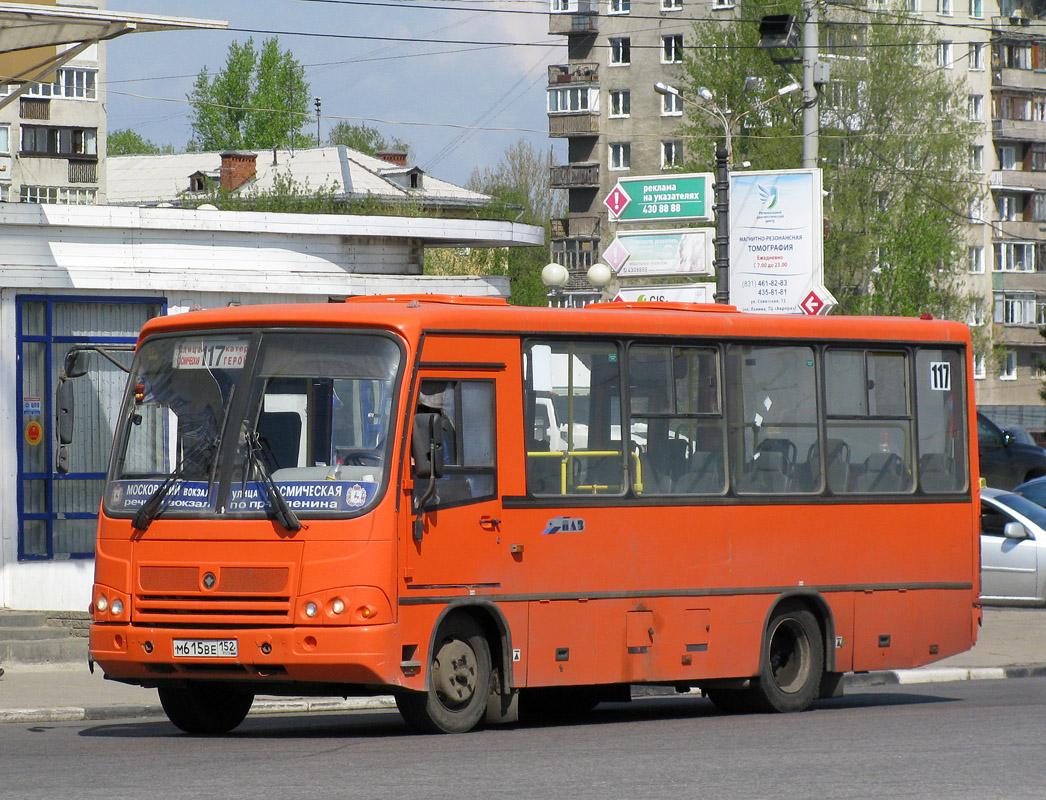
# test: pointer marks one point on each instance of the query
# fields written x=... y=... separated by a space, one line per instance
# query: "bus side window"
x=467 y=408
x=869 y=408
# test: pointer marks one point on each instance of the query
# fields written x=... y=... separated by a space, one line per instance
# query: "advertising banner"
x=686 y=251
x=777 y=243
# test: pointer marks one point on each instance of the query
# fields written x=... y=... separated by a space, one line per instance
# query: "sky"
x=458 y=106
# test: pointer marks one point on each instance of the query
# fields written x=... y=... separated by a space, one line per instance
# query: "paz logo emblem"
x=209 y=580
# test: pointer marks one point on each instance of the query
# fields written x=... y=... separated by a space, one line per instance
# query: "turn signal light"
x=366 y=611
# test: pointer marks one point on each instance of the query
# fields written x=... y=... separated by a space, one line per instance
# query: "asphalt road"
x=969 y=739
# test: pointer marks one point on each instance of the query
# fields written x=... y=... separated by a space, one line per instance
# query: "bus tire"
x=792 y=662
x=205 y=708
x=459 y=681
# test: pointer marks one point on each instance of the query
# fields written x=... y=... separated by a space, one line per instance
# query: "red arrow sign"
x=617 y=200
x=812 y=304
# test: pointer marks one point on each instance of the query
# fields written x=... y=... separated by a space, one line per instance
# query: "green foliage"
x=894 y=147
x=258 y=101
x=126 y=142
x=521 y=180
x=364 y=138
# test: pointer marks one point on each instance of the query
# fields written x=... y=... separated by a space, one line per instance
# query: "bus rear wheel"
x=792 y=662
x=459 y=682
x=206 y=708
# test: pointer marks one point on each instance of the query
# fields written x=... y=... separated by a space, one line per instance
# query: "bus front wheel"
x=459 y=682
x=792 y=662
x=205 y=708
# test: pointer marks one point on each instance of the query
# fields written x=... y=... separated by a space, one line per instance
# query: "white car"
x=1013 y=550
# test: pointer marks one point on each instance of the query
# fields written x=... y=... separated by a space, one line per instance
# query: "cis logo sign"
x=34 y=433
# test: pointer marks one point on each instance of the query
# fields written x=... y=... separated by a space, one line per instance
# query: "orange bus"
x=479 y=508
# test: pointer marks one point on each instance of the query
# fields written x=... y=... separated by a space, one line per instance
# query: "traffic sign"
x=658 y=197
x=812 y=304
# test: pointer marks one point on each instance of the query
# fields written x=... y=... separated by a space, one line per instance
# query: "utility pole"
x=811 y=110
x=319 y=139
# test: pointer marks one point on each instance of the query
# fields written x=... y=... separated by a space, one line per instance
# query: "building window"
x=1010 y=207
x=979 y=371
x=619 y=6
x=977 y=9
x=1014 y=56
x=60 y=195
x=671 y=154
x=5 y=141
x=976 y=260
x=976 y=157
x=1019 y=311
x=722 y=3
x=621 y=51
x=620 y=102
x=975 y=107
x=41 y=140
x=570 y=100
x=671 y=105
x=672 y=49
x=620 y=155
x=58 y=514
x=70 y=83
x=1008 y=158
x=1008 y=371
x=976 y=59
x=671 y=5
x=1015 y=257
x=976 y=318
x=1038 y=156
x=944 y=55
x=944 y=7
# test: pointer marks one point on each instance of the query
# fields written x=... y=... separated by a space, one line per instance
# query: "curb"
x=379 y=702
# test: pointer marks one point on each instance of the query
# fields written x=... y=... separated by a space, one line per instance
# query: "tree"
x=126 y=142
x=364 y=138
x=258 y=101
x=520 y=185
x=895 y=145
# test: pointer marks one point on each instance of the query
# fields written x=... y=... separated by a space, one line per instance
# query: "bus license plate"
x=205 y=648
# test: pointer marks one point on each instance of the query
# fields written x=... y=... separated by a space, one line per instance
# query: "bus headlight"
x=102 y=603
x=338 y=606
x=311 y=609
x=117 y=607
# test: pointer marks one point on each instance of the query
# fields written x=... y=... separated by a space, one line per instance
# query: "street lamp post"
x=723 y=163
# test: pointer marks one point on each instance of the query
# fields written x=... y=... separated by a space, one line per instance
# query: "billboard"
x=777 y=243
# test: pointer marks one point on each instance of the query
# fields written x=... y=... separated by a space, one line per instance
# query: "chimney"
x=237 y=169
x=397 y=157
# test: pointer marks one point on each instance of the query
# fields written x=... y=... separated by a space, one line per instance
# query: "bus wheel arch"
x=466 y=662
x=793 y=654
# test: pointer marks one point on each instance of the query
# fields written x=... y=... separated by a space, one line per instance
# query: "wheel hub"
x=454 y=673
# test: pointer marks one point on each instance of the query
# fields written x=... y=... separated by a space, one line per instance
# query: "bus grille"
x=177 y=595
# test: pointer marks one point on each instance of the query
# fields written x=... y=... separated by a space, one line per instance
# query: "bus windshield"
x=241 y=422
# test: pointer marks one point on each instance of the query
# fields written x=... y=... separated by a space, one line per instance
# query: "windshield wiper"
x=280 y=508
x=154 y=504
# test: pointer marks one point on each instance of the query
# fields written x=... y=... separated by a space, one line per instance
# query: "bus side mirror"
x=427 y=445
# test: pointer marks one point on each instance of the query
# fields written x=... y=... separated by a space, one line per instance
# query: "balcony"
x=582 y=72
x=584 y=124
x=579 y=17
x=1018 y=179
x=1021 y=130
x=575 y=228
x=1004 y=77
x=578 y=176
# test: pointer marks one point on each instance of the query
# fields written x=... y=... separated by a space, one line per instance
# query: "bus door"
x=455 y=529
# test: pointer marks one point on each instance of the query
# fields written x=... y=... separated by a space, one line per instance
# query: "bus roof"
x=411 y=315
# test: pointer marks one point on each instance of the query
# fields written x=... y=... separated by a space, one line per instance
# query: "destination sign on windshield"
x=211 y=354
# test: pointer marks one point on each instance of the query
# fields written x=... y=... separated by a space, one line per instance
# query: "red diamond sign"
x=617 y=201
x=812 y=304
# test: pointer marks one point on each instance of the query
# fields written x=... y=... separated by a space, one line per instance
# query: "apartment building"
x=602 y=101
x=52 y=135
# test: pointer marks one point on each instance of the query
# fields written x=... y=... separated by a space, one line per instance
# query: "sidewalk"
x=1012 y=643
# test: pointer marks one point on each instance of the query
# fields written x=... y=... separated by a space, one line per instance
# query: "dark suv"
x=1005 y=462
